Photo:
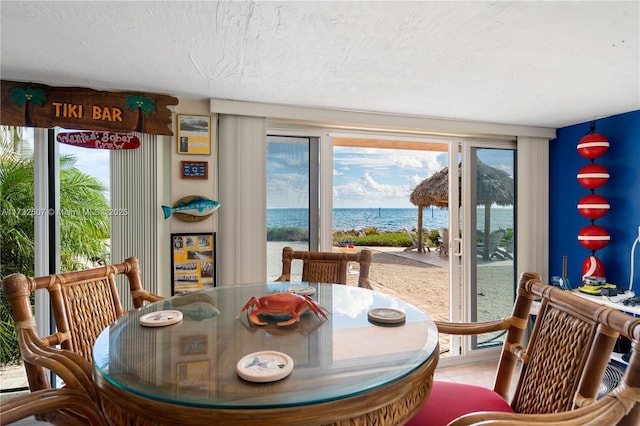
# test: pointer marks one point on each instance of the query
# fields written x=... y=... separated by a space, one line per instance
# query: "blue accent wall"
x=622 y=160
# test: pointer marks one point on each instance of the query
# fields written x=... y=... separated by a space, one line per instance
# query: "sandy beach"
x=421 y=279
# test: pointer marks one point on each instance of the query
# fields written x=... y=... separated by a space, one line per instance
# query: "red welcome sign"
x=99 y=140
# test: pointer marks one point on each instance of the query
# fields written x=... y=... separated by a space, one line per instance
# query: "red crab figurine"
x=283 y=303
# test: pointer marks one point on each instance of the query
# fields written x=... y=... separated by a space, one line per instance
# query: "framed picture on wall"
x=193 y=262
x=194 y=134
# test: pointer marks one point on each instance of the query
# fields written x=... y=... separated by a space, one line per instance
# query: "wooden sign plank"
x=38 y=105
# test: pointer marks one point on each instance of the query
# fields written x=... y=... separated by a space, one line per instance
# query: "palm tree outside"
x=84 y=223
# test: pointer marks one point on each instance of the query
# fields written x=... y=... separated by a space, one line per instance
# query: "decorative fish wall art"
x=193 y=208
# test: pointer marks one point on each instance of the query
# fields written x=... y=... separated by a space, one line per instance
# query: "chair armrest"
x=284 y=277
x=145 y=295
x=471 y=328
x=607 y=411
x=71 y=367
x=47 y=400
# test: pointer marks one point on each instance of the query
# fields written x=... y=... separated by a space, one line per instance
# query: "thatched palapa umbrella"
x=433 y=191
x=494 y=186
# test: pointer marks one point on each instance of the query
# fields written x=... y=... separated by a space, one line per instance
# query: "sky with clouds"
x=362 y=177
x=91 y=161
x=372 y=177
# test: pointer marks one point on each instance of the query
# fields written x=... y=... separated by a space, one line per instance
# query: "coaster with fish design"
x=161 y=318
x=264 y=366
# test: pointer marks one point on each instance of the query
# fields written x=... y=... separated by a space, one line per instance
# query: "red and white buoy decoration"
x=593 y=146
x=593 y=206
x=593 y=176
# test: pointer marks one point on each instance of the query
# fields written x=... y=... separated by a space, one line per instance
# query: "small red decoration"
x=593 y=176
x=593 y=206
x=593 y=237
x=592 y=267
x=593 y=145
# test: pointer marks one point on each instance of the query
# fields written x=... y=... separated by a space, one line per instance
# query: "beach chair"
x=489 y=249
x=443 y=248
x=414 y=243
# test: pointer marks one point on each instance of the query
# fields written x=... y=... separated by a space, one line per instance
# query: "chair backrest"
x=567 y=353
x=326 y=267
x=83 y=304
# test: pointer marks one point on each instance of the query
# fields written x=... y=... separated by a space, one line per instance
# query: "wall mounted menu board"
x=193 y=262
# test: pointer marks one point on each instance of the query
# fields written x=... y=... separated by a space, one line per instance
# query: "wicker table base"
x=393 y=404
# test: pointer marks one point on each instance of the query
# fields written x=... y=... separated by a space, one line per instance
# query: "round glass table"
x=350 y=367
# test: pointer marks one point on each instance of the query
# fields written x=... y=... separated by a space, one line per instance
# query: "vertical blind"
x=137 y=228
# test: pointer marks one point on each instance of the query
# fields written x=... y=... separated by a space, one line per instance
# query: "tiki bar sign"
x=37 y=105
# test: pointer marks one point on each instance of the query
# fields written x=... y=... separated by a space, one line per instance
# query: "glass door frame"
x=463 y=273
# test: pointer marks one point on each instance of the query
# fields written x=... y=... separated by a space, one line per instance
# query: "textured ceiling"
x=531 y=63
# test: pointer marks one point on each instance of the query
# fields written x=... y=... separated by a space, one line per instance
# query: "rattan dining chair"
x=562 y=367
x=83 y=303
x=326 y=267
x=72 y=402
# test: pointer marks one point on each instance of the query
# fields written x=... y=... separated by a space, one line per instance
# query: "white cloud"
x=387 y=159
x=415 y=180
x=366 y=188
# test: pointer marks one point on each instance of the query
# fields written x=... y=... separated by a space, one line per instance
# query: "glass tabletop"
x=193 y=362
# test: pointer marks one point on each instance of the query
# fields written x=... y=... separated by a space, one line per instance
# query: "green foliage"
x=287 y=234
x=508 y=234
x=9 y=350
x=16 y=212
x=371 y=231
x=378 y=239
x=434 y=238
x=84 y=226
x=374 y=238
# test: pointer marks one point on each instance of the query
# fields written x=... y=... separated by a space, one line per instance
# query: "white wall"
x=181 y=187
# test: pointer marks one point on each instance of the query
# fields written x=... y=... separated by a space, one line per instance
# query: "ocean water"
x=385 y=219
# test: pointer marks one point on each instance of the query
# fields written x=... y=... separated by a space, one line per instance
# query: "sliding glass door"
x=292 y=198
x=482 y=267
x=365 y=184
